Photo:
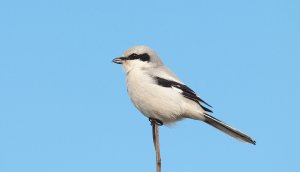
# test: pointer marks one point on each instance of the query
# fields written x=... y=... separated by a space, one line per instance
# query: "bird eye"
x=133 y=55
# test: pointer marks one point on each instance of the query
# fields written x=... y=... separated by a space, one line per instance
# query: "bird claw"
x=155 y=121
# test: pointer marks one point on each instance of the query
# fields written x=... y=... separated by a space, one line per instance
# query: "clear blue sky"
x=64 y=105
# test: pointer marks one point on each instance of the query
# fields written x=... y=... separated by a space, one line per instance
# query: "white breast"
x=154 y=101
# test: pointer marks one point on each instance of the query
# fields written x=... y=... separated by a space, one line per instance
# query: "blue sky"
x=64 y=106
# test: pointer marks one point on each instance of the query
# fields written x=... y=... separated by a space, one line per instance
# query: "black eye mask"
x=143 y=57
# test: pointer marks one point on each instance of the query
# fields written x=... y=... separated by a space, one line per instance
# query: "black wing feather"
x=186 y=91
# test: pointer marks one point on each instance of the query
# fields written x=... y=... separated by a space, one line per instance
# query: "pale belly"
x=154 y=101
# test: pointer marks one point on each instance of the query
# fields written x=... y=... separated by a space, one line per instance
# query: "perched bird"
x=159 y=94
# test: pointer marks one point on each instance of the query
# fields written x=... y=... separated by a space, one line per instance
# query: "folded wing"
x=184 y=90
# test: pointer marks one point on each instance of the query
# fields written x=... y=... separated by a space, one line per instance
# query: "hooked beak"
x=118 y=60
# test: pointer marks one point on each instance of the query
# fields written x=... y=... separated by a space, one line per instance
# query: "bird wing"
x=184 y=90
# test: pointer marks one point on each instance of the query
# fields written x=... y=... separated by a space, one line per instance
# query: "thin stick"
x=155 y=133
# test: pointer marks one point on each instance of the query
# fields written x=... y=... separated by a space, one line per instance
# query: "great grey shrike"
x=159 y=94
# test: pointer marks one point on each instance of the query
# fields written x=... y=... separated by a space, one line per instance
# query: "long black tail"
x=227 y=129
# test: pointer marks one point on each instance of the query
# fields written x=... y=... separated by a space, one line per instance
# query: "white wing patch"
x=177 y=89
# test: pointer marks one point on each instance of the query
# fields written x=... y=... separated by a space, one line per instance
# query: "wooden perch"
x=155 y=132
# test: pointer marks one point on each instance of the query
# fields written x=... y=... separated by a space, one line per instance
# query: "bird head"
x=138 y=57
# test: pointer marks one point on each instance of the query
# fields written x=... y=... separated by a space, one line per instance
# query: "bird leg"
x=156 y=121
x=155 y=132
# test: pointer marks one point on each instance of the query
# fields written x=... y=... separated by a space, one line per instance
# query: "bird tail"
x=227 y=129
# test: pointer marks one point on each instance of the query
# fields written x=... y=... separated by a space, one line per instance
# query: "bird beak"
x=118 y=60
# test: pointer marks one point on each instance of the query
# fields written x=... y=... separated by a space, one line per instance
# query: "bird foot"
x=155 y=121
